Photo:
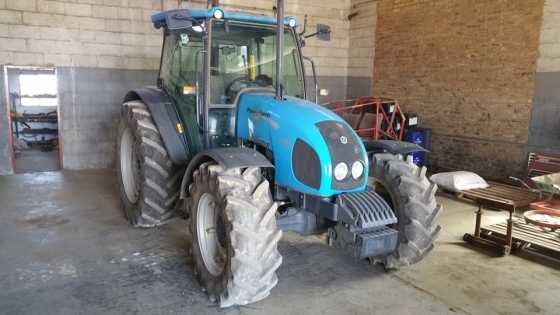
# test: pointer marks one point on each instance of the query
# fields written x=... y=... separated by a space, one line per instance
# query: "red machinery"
x=372 y=117
x=543 y=164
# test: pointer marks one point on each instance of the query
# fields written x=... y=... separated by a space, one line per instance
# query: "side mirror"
x=323 y=32
x=178 y=20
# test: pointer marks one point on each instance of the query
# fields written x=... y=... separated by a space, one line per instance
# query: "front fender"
x=391 y=146
x=237 y=157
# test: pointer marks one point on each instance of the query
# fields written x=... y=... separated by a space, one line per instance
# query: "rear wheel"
x=148 y=180
x=235 y=235
x=412 y=197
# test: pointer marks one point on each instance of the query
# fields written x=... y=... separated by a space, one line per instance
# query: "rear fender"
x=167 y=120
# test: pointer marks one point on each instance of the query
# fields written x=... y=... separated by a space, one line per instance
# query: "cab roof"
x=159 y=20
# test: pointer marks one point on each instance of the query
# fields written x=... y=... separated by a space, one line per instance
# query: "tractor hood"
x=307 y=142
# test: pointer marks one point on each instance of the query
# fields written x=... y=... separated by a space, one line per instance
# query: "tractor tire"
x=412 y=197
x=149 y=182
x=235 y=237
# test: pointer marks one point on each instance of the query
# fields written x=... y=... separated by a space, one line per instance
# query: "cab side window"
x=179 y=62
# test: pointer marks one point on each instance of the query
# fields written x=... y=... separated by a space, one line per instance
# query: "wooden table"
x=499 y=197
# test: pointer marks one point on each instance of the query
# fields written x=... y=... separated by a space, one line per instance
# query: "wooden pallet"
x=527 y=236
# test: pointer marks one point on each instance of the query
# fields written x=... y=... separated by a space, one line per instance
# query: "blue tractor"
x=229 y=140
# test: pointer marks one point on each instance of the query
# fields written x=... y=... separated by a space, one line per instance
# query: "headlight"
x=292 y=22
x=357 y=169
x=340 y=171
x=218 y=14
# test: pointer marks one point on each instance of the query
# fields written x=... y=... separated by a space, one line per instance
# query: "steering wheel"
x=241 y=83
x=235 y=86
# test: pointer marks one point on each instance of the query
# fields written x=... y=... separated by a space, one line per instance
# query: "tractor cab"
x=210 y=56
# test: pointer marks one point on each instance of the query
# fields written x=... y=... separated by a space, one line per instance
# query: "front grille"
x=306 y=164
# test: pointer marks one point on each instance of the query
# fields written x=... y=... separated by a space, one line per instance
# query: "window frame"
x=208 y=59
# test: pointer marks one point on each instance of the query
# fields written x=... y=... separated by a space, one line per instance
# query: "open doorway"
x=32 y=95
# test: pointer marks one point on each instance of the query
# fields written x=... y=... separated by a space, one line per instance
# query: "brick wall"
x=468 y=68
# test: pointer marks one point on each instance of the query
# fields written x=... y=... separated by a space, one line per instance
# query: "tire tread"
x=254 y=235
x=417 y=211
x=159 y=177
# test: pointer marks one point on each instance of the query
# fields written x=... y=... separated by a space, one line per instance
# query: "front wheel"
x=235 y=236
x=411 y=195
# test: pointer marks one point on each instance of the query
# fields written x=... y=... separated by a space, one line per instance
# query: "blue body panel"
x=278 y=124
x=198 y=14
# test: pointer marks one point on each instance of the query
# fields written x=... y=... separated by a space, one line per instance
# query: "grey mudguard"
x=393 y=147
x=236 y=157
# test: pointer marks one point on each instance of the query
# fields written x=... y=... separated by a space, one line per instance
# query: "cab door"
x=180 y=77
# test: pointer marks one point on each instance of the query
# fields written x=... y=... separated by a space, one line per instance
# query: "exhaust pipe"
x=279 y=48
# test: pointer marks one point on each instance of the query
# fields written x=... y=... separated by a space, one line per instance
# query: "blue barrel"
x=421 y=137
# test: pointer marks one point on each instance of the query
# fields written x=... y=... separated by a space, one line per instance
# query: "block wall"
x=361 y=51
x=544 y=134
x=118 y=33
x=102 y=48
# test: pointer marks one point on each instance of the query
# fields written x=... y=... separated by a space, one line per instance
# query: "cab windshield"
x=244 y=56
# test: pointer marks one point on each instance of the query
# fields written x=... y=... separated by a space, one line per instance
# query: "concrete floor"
x=35 y=160
x=65 y=249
